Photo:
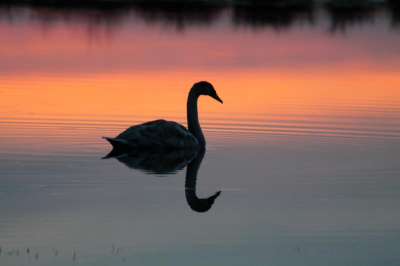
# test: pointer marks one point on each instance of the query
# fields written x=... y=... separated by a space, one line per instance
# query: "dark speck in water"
x=112 y=249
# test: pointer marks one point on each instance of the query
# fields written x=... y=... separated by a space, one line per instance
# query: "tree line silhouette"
x=276 y=14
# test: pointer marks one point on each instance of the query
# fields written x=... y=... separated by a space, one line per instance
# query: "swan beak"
x=217 y=98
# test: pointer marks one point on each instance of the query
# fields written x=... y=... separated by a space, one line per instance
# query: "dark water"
x=304 y=150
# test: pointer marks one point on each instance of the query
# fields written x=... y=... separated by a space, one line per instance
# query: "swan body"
x=161 y=134
x=158 y=134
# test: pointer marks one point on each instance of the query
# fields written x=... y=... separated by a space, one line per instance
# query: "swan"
x=161 y=134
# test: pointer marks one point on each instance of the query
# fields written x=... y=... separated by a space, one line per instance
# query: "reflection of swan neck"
x=193 y=118
x=196 y=204
x=191 y=171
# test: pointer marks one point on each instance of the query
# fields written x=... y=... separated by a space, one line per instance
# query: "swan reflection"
x=155 y=162
x=196 y=204
x=169 y=162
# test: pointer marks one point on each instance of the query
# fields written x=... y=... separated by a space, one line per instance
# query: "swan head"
x=205 y=88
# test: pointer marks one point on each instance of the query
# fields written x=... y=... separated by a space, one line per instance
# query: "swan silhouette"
x=161 y=134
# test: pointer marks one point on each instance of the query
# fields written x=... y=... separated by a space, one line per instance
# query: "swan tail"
x=120 y=146
x=117 y=143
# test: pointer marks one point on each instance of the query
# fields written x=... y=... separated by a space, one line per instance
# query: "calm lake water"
x=305 y=149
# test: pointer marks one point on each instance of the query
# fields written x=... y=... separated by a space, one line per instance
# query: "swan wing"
x=159 y=134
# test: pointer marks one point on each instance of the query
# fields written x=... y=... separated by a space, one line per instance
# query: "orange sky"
x=137 y=73
x=134 y=94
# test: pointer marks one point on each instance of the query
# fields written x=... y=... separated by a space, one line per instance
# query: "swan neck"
x=193 y=118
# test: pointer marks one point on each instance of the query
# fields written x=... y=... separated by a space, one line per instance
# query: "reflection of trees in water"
x=98 y=21
x=70 y=15
x=8 y=13
x=105 y=16
x=276 y=14
x=347 y=13
x=394 y=7
x=177 y=13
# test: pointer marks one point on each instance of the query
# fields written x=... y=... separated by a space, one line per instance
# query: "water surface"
x=304 y=150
